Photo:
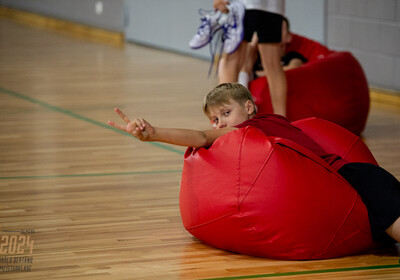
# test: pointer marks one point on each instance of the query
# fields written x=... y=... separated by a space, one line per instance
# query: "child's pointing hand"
x=139 y=128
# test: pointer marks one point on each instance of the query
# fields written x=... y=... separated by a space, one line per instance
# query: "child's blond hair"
x=223 y=93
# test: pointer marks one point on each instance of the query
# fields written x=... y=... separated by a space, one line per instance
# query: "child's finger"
x=122 y=115
x=118 y=126
x=141 y=123
x=135 y=132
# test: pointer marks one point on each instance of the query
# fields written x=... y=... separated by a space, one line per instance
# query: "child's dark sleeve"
x=292 y=55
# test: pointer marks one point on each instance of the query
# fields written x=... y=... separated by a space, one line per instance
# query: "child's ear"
x=249 y=107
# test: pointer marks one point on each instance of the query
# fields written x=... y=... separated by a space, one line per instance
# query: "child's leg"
x=230 y=64
x=394 y=230
x=271 y=60
x=380 y=192
x=269 y=31
x=250 y=58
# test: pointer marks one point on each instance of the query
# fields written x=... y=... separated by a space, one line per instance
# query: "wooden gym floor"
x=97 y=203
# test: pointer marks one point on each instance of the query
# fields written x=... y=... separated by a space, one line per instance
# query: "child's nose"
x=222 y=124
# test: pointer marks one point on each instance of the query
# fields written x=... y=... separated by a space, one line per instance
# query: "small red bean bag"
x=269 y=197
x=331 y=85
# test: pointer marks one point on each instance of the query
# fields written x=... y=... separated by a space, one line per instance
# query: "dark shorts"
x=380 y=192
x=268 y=26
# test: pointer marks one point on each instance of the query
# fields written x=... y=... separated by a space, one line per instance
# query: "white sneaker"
x=233 y=28
x=210 y=23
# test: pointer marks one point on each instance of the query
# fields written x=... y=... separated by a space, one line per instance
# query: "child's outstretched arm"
x=144 y=131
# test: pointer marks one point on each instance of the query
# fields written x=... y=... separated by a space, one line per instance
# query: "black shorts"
x=268 y=26
x=380 y=192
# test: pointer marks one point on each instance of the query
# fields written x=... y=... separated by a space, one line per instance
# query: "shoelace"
x=204 y=12
x=223 y=36
x=220 y=38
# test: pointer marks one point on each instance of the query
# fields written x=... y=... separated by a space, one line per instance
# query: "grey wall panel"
x=307 y=17
x=165 y=24
x=371 y=31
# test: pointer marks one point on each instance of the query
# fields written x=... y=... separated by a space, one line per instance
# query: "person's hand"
x=221 y=5
x=139 y=128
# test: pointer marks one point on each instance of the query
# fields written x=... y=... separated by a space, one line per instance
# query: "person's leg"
x=270 y=54
x=230 y=64
x=250 y=58
x=394 y=230
x=380 y=192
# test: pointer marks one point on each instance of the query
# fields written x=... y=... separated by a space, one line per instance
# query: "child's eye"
x=215 y=121
x=227 y=113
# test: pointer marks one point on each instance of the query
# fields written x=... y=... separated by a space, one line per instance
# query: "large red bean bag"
x=331 y=85
x=269 y=197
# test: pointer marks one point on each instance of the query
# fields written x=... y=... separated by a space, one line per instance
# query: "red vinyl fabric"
x=269 y=197
x=331 y=85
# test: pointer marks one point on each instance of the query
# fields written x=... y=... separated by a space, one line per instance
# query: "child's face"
x=230 y=114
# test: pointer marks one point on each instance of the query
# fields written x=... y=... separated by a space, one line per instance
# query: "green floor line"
x=90 y=175
x=80 y=117
x=309 y=272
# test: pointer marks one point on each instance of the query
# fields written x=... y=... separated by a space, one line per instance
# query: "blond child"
x=230 y=106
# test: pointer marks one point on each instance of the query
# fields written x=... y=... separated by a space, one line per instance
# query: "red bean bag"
x=269 y=197
x=331 y=85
